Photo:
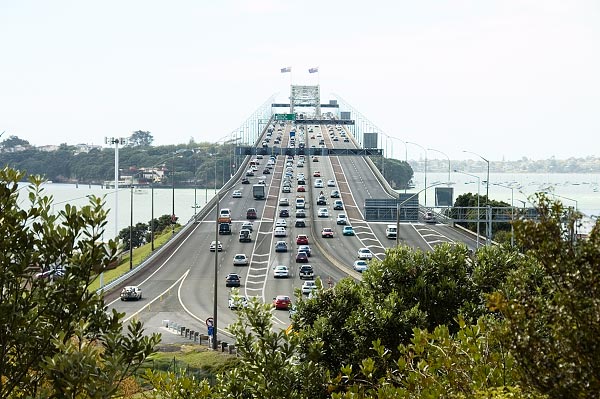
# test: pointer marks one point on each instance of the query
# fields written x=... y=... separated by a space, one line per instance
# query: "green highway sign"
x=285 y=117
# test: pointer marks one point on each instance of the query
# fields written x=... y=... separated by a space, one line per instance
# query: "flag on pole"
x=313 y=70
x=286 y=69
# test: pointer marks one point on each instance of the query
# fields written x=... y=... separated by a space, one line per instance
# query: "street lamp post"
x=173 y=195
x=425 y=179
x=478 y=186
x=444 y=154
x=488 y=235
x=216 y=271
x=399 y=204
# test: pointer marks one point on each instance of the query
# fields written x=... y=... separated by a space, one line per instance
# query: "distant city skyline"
x=504 y=79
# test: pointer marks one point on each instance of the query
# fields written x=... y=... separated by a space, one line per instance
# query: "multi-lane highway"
x=179 y=286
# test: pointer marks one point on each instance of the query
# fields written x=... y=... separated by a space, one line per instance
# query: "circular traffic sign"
x=210 y=322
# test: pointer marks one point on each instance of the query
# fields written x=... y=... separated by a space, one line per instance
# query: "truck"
x=258 y=191
x=224 y=216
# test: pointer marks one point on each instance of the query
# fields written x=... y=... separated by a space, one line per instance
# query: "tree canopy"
x=57 y=338
x=140 y=138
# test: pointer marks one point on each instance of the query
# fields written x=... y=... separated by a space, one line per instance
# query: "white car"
x=247 y=226
x=284 y=202
x=279 y=232
x=237 y=301
x=330 y=183
x=361 y=265
x=365 y=253
x=323 y=213
x=318 y=183
x=240 y=260
x=237 y=194
x=309 y=286
x=342 y=219
x=281 y=271
x=213 y=245
x=280 y=223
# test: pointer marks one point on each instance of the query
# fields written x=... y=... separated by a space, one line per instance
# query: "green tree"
x=138 y=235
x=552 y=304
x=397 y=173
x=13 y=141
x=57 y=338
x=141 y=138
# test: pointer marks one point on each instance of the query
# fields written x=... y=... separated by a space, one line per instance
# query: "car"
x=318 y=183
x=280 y=223
x=315 y=159
x=279 y=232
x=316 y=173
x=236 y=194
x=282 y=302
x=321 y=200
x=245 y=180
x=346 y=140
x=330 y=183
x=266 y=171
x=327 y=232
x=52 y=272
x=365 y=253
x=300 y=213
x=286 y=189
x=232 y=280
x=305 y=248
x=240 y=260
x=308 y=287
x=245 y=236
x=281 y=246
x=300 y=223
x=301 y=182
x=251 y=213
x=247 y=226
x=429 y=217
x=323 y=213
x=213 y=245
x=338 y=205
x=335 y=138
x=284 y=213
x=284 y=201
x=348 y=231
x=360 y=265
x=334 y=194
x=281 y=271
x=237 y=301
x=306 y=272
x=249 y=173
x=131 y=292
x=302 y=239
x=341 y=219
x=301 y=189
x=224 y=228
x=301 y=257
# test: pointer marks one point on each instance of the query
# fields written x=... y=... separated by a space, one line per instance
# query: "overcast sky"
x=506 y=79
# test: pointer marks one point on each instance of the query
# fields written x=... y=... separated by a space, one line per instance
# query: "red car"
x=327 y=232
x=301 y=257
x=282 y=302
x=302 y=239
x=301 y=189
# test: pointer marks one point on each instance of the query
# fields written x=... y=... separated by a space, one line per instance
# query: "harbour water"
x=580 y=190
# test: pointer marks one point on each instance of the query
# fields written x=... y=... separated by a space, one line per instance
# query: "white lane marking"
x=180 y=279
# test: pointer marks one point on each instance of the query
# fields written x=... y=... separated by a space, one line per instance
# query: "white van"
x=391 y=231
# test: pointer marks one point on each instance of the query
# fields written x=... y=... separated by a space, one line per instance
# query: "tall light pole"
x=425 y=183
x=116 y=141
x=173 y=191
x=398 y=205
x=487 y=194
x=444 y=154
x=478 y=186
x=216 y=271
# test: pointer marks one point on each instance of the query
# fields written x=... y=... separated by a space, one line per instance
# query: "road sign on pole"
x=285 y=117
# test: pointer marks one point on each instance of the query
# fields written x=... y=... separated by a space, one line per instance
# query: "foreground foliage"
x=57 y=338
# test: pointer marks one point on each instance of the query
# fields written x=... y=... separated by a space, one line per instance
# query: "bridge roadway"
x=179 y=285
